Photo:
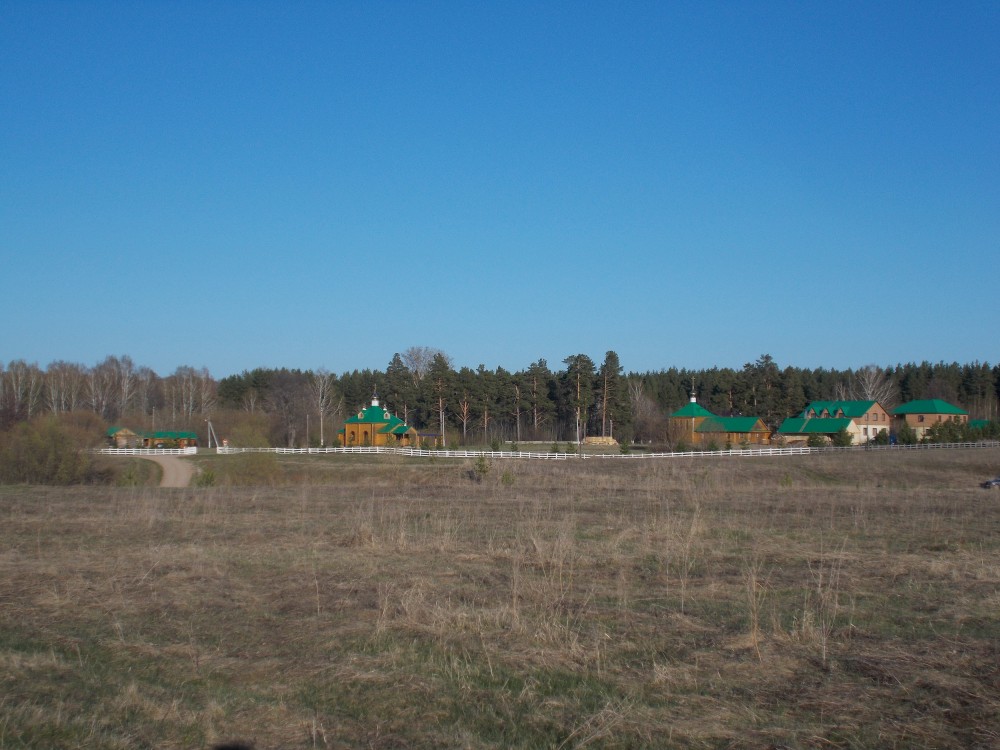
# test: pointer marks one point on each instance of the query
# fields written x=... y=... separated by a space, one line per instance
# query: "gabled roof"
x=732 y=424
x=852 y=409
x=814 y=425
x=928 y=406
x=370 y=415
x=692 y=409
x=379 y=415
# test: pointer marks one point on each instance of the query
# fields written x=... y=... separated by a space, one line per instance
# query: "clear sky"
x=322 y=184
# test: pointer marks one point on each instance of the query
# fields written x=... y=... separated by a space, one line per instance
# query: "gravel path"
x=176 y=471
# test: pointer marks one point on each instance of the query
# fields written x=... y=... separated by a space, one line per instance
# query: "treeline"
x=581 y=397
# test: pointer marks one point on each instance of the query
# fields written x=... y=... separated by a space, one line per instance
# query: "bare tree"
x=321 y=388
x=125 y=382
x=648 y=420
x=872 y=383
x=64 y=386
x=207 y=391
x=24 y=389
x=418 y=360
x=146 y=389
x=101 y=389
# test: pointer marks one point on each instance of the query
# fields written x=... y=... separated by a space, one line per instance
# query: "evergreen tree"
x=399 y=391
x=539 y=386
x=439 y=386
x=612 y=397
x=577 y=393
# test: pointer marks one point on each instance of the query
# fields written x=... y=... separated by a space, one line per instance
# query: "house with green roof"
x=923 y=414
x=375 y=425
x=868 y=417
x=696 y=425
x=862 y=419
x=123 y=437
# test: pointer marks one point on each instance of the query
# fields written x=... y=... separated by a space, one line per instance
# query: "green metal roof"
x=732 y=424
x=692 y=409
x=370 y=415
x=979 y=423
x=813 y=425
x=928 y=406
x=391 y=424
x=853 y=409
x=163 y=434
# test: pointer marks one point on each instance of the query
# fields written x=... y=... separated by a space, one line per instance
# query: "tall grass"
x=845 y=601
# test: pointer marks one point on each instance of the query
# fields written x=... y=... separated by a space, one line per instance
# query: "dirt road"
x=176 y=471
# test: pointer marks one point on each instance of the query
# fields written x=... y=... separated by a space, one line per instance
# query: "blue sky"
x=243 y=184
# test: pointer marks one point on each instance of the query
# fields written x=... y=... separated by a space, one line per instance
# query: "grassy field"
x=378 y=602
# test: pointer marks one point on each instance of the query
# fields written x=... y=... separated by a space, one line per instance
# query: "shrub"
x=205 y=478
x=842 y=438
x=815 y=440
x=480 y=469
x=45 y=451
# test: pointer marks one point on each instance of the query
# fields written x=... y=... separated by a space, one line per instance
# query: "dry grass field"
x=843 y=601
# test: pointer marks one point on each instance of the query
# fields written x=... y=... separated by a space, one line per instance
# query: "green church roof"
x=692 y=409
x=370 y=415
x=928 y=406
x=377 y=414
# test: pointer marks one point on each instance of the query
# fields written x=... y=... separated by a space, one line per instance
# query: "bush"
x=205 y=478
x=842 y=438
x=481 y=468
x=46 y=451
x=815 y=440
x=906 y=435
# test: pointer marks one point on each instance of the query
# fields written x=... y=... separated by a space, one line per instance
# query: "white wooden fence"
x=538 y=455
x=544 y=456
x=147 y=451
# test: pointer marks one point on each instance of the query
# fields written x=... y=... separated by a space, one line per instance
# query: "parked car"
x=990 y=483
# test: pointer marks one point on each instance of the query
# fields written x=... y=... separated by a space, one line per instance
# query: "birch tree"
x=322 y=390
x=871 y=383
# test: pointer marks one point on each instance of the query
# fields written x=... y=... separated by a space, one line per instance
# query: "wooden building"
x=375 y=425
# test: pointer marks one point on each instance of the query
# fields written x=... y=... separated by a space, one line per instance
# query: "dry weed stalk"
x=688 y=559
x=821 y=605
x=757 y=582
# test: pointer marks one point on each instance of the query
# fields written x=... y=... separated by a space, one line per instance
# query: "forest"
x=580 y=397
